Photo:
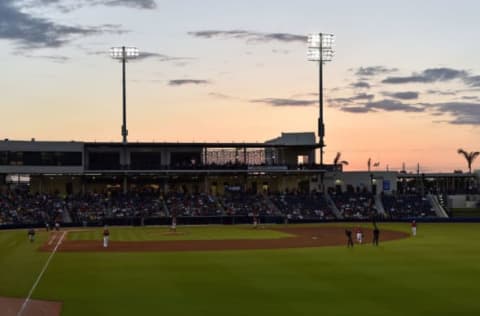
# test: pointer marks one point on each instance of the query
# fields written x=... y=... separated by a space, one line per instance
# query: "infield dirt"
x=11 y=307
x=302 y=237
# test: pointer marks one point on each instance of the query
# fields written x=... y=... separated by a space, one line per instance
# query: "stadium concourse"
x=277 y=181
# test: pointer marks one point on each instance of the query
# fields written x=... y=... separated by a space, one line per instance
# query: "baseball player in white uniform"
x=174 y=224
x=106 y=236
x=359 y=235
x=414 y=228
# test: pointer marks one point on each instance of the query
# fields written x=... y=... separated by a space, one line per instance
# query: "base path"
x=11 y=307
x=303 y=237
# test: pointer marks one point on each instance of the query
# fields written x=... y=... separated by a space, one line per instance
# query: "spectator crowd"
x=21 y=207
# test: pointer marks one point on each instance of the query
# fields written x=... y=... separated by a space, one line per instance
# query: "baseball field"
x=237 y=270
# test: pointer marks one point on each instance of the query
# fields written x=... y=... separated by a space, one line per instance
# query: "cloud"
x=279 y=102
x=177 y=61
x=347 y=101
x=139 y=4
x=462 y=109
x=429 y=76
x=470 y=97
x=250 y=36
x=302 y=95
x=464 y=113
x=393 y=105
x=70 y=5
x=441 y=92
x=32 y=32
x=361 y=84
x=407 y=95
x=357 y=109
x=53 y=58
x=182 y=82
x=373 y=71
x=220 y=96
x=473 y=81
x=161 y=57
x=382 y=105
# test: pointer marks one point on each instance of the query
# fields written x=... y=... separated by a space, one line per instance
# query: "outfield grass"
x=183 y=233
x=435 y=273
x=20 y=262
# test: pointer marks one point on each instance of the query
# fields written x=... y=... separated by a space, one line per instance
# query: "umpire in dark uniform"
x=376 y=235
x=348 y=233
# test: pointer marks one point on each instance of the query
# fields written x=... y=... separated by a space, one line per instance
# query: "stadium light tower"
x=123 y=54
x=320 y=49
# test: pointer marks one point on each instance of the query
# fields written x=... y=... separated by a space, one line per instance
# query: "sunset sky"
x=404 y=85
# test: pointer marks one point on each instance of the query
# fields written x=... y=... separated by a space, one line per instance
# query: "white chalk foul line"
x=24 y=305
x=52 y=239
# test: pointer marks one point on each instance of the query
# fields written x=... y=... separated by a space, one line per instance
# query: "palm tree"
x=338 y=162
x=469 y=157
x=369 y=164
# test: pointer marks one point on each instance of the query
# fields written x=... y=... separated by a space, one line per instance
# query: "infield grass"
x=435 y=273
x=182 y=233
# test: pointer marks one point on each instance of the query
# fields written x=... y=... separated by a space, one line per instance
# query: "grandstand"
x=277 y=180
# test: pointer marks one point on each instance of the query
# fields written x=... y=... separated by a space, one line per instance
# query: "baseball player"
x=106 y=236
x=376 y=235
x=31 y=234
x=414 y=228
x=174 y=223
x=359 y=235
x=348 y=233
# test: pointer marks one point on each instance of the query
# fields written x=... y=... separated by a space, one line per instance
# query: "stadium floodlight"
x=123 y=54
x=313 y=54
x=321 y=47
x=321 y=50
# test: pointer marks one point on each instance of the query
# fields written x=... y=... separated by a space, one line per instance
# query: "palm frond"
x=463 y=152
x=337 y=158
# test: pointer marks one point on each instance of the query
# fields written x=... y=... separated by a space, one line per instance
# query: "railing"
x=237 y=166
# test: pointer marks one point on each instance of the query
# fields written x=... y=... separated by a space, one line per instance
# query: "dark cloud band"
x=279 y=102
x=407 y=95
x=429 y=76
x=373 y=71
x=29 y=31
x=249 y=36
x=182 y=82
x=70 y=5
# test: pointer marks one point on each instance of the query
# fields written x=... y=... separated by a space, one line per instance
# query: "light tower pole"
x=123 y=54
x=320 y=49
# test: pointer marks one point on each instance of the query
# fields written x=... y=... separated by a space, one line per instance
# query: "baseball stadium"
x=211 y=228
x=238 y=228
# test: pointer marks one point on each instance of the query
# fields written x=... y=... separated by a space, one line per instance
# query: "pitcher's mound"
x=11 y=307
